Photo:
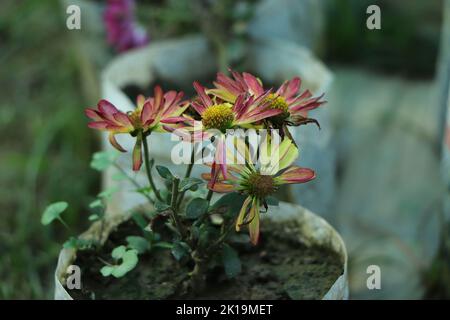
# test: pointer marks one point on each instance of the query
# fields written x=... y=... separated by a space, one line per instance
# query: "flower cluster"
x=237 y=102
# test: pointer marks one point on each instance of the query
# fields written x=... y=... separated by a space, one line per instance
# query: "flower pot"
x=182 y=61
x=312 y=230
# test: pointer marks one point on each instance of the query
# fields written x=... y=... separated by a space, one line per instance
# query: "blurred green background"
x=46 y=147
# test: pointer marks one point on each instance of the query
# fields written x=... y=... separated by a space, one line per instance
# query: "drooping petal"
x=137 y=153
x=114 y=143
x=253 y=226
x=220 y=187
x=296 y=175
x=242 y=213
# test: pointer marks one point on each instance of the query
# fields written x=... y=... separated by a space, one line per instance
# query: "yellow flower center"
x=219 y=116
x=135 y=118
x=260 y=186
x=279 y=103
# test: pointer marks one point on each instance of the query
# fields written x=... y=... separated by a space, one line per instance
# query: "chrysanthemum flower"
x=292 y=104
x=218 y=116
x=260 y=180
x=150 y=115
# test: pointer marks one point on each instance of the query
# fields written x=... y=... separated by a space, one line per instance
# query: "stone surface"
x=389 y=181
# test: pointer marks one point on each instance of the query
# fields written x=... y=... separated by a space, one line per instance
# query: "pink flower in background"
x=123 y=33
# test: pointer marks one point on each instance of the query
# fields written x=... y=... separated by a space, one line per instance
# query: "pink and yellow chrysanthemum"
x=150 y=115
x=259 y=180
x=293 y=104
x=218 y=116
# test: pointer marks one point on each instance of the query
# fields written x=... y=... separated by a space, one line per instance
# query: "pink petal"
x=253 y=84
x=114 y=143
x=297 y=175
x=107 y=107
x=137 y=154
x=93 y=114
x=206 y=100
x=99 y=125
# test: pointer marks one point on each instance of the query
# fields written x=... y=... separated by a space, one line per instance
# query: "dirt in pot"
x=279 y=267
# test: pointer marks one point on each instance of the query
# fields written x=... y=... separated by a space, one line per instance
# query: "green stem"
x=148 y=169
x=173 y=204
x=187 y=175
x=64 y=223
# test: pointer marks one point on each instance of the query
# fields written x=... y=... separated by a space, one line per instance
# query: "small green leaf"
x=164 y=172
x=53 y=212
x=163 y=245
x=232 y=201
x=107 y=270
x=96 y=204
x=102 y=160
x=118 y=252
x=108 y=193
x=139 y=244
x=196 y=208
x=129 y=261
x=77 y=243
x=180 y=250
x=93 y=217
x=161 y=206
x=231 y=261
x=189 y=183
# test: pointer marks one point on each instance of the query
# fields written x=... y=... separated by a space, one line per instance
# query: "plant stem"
x=209 y=195
x=173 y=204
x=148 y=169
x=187 y=175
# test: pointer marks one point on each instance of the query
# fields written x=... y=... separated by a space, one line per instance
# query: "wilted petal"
x=137 y=153
x=114 y=143
x=253 y=226
x=242 y=213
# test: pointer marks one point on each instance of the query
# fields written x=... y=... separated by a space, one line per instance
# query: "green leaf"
x=179 y=250
x=231 y=261
x=53 y=211
x=96 y=203
x=161 y=206
x=163 y=245
x=232 y=201
x=140 y=220
x=107 y=270
x=164 y=172
x=139 y=244
x=196 y=208
x=79 y=244
x=189 y=183
x=129 y=261
x=118 y=252
x=102 y=160
x=93 y=217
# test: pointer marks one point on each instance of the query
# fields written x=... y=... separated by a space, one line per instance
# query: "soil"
x=280 y=267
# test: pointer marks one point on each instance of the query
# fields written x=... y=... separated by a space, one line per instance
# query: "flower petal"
x=114 y=143
x=242 y=213
x=137 y=153
x=297 y=175
x=253 y=84
x=206 y=100
x=253 y=226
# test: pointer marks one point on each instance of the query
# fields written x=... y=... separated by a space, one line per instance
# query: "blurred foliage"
x=44 y=141
x=407 y=42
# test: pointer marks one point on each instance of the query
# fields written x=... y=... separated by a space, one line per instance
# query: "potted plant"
x=188 y=239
